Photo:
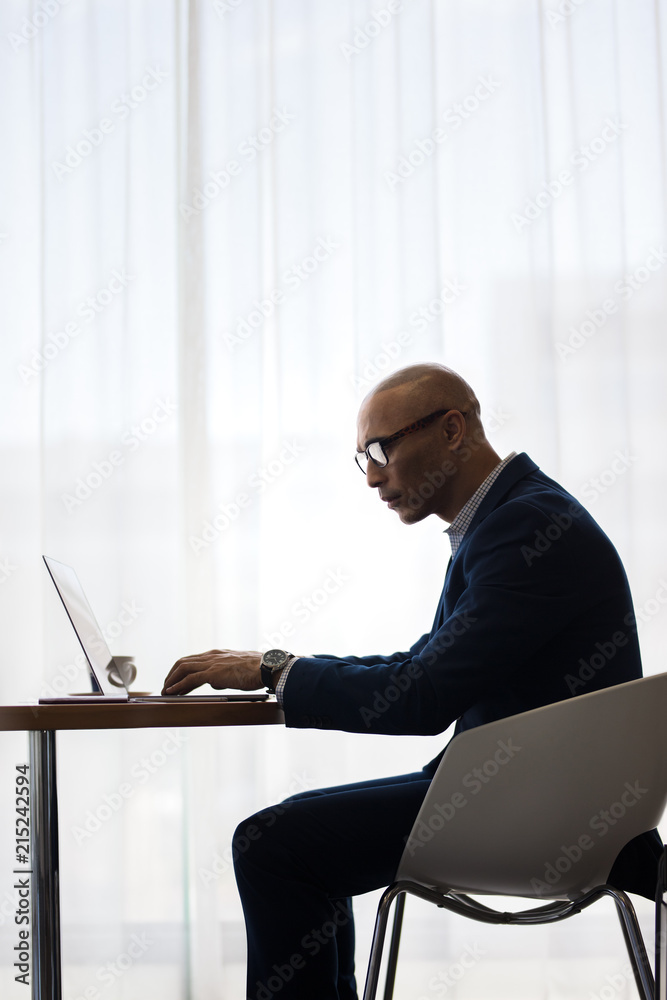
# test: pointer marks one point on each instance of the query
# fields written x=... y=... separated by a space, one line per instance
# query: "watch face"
x=274 y=657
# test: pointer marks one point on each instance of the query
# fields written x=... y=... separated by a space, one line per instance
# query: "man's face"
x=413 y=482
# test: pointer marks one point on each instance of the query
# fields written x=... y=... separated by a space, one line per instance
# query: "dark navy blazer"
x=536 y=607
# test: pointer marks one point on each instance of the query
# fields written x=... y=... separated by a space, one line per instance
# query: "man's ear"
x=455 y=428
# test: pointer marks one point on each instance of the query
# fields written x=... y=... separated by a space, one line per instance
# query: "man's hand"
x=221 y=668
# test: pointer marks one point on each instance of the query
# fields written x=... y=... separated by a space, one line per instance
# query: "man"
x=532 y=585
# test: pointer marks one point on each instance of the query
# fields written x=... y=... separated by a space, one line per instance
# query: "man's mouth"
x=392 y=501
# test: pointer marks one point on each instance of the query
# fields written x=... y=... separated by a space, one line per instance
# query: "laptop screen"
x=88 y=631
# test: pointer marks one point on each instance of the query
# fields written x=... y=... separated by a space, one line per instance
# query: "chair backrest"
x=540 y=804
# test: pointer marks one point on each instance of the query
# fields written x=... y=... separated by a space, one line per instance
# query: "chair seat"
x=539 y=806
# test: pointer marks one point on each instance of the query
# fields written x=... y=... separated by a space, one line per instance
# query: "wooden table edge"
x=139 y=715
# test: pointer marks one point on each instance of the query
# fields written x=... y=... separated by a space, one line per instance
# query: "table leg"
x=46 y=984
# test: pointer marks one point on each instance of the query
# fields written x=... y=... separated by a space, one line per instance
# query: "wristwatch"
x=273 y=661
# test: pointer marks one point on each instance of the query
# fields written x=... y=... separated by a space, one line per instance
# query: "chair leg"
x=394 y=946
x=375 y=960
x=661 y=930
x=634 y=943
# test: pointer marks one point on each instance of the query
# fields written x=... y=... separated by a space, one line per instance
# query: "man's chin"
x=408 y=514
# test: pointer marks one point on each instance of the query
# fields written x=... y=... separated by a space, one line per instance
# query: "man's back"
x=563 y=589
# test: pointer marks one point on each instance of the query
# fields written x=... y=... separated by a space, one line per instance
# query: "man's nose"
x=375 y=474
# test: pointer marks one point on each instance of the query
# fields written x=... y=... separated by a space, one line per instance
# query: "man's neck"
x=469 y=479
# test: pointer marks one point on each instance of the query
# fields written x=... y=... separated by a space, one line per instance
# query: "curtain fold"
x=223 y=221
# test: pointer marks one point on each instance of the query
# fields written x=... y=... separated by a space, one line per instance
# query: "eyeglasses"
x=375 y=450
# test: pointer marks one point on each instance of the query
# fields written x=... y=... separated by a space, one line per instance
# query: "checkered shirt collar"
x=463 y=519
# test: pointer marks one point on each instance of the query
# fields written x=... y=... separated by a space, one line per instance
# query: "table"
x=42 y=722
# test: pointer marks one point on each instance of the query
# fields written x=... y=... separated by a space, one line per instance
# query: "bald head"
x=429 y=387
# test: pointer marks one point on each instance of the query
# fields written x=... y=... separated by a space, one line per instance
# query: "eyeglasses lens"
x=377 y=454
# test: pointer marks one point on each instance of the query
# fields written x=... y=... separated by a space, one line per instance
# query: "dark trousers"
x=297 y=865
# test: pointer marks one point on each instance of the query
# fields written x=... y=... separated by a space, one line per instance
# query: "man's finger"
x=183 y=686
x=185 y=675
x=187 y=664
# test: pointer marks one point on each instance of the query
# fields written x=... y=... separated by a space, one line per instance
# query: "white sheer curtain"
x=221 y=223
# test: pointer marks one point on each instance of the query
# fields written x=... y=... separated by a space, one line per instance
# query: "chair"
x=539 y=805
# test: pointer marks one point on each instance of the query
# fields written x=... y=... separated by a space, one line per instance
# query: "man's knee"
x=263 y=833
x=246 y=837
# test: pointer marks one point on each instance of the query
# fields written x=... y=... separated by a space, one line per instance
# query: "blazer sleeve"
x=376 y=658
x=511 y=606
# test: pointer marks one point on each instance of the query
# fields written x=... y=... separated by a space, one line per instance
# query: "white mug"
x=122 y=671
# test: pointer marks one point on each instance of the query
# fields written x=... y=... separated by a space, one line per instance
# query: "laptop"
x=100 y=660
